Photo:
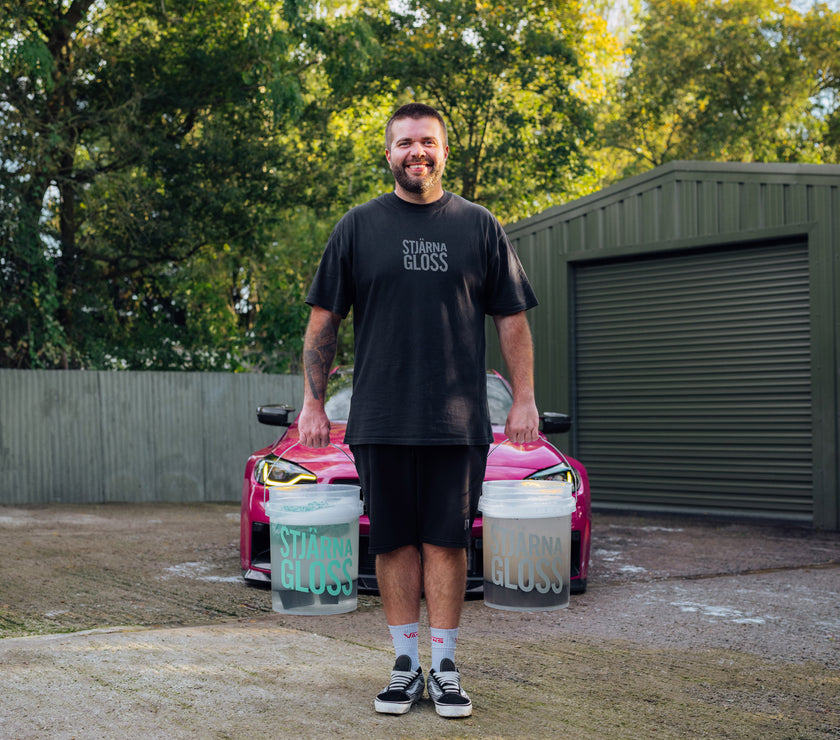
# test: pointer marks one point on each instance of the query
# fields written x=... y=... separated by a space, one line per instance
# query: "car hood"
x=505 y=461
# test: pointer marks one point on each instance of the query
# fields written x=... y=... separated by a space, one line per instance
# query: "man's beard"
x=419 y=185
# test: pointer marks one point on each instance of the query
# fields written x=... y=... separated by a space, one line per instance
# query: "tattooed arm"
x=319 y=347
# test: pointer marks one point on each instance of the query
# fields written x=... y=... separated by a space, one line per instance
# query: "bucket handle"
x=576 y=490
x=295 y=444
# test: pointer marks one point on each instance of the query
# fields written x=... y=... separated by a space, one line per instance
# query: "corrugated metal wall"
x=91 y=437
x=677 y=209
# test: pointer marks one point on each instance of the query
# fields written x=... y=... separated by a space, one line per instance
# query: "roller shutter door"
x=693 y=383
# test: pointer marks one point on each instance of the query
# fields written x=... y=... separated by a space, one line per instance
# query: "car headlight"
x=275 y=471
x=561 y=472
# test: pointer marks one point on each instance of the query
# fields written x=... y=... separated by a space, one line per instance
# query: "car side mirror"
x=552 y=423
x=275 y=415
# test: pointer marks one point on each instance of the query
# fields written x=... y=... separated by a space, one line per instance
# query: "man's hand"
x=523 y=423
x=314 y=427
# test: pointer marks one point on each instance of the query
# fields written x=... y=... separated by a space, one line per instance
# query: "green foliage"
x=719 y=80
x=170 y=171
x=508 y=79
x=30 y=332
x=818 y=35
x=156 y=148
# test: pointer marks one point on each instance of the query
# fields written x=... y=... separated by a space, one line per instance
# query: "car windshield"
x=499 y=399
x=340 y=392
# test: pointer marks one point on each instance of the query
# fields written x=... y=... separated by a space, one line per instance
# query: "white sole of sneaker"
x=386 y=707
x=452 y=711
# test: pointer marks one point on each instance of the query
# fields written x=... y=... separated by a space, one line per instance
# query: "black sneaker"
x=406 y=687
x=446 y=692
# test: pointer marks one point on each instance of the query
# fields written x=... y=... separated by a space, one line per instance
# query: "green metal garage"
x=690 y=322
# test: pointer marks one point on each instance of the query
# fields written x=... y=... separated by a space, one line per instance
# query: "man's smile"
x=418 y=168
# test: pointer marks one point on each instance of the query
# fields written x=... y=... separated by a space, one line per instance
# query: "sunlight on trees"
x=171 y=170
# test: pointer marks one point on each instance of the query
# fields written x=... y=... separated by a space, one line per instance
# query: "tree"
x=818 y=34
x=150 y=150
x=733 y=80
x=514 y=82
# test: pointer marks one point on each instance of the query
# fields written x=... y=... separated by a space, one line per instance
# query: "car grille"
x=346 y=482
x=575 y=556
x=260 y=546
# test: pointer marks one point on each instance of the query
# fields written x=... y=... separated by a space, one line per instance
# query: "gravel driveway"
x=132 y=621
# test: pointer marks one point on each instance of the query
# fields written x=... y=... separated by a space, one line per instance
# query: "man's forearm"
x=523 y=421
x=518 y=352
x=319 y=347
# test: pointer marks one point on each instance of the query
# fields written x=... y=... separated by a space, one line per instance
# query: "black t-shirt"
x=420 y=279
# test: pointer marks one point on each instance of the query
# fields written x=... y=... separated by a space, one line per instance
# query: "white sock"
x=405 y=642
x=443 y=646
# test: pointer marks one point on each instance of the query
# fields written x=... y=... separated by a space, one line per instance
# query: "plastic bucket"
x=314 y=537
x=527 y=544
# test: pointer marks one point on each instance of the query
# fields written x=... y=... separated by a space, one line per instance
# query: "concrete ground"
x=132 y=621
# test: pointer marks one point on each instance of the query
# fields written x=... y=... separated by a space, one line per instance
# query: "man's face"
x=417 y=157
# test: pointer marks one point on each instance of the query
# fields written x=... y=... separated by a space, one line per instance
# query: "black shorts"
x=416 y=494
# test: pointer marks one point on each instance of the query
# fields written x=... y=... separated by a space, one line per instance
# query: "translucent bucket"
x=527 y=544
x=314 y=536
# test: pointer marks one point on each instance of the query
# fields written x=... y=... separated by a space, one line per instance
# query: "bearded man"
x=420 y=267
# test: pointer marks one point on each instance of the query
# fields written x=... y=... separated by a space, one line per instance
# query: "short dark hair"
x=414 y=110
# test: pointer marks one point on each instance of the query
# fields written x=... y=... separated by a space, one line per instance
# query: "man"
x=420 y=267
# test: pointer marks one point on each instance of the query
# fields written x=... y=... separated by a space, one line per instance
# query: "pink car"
x=286 y=463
